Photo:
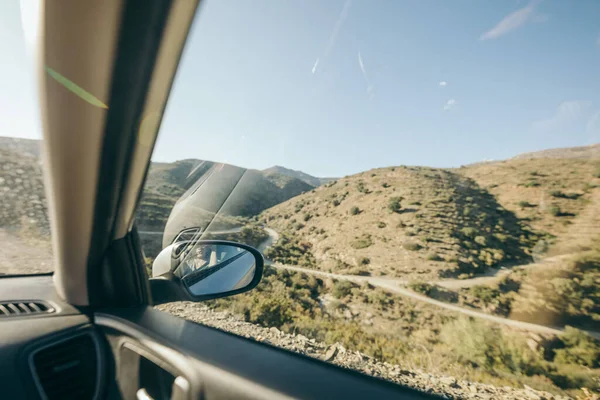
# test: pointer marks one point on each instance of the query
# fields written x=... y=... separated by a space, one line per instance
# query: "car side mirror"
x=200 y=270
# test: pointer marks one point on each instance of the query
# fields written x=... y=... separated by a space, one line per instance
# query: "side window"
x=391 y=163
x=24 y=222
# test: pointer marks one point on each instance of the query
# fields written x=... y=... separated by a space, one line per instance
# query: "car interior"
x=89 y=330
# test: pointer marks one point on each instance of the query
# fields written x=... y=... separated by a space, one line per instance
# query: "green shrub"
x=394 y=204
x=385 y=185
x=525 y=204
x=361 y=187
x=555 y=211
x=434 y=257
x=486 y=346
x=362 y=242
x=381 y=224
x=532 y=183
x=480 y=240
x=412 y=246
x=560 y=195
x=468 y=232
x=484 y=293
x=342 y=289
x=557 y=193
x=420 y=287
x=307 y=217
x=336 y=202
x=580 y=349
x=364 y=261
x=354 y=211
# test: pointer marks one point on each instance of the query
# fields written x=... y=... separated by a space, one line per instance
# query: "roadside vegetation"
x=397 y=330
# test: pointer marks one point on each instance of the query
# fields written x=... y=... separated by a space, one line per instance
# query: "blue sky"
x=337 y=87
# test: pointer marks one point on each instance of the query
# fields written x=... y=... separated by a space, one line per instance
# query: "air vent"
x=67 y=369
x=23 y=308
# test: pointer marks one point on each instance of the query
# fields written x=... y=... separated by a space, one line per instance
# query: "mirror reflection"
x=216 y=268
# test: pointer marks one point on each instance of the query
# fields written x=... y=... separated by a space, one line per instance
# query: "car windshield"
x=423 y=179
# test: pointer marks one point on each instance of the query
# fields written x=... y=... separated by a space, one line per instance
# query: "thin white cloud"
x=511 y=22
x=567 y=111
x=443 y=83
x=361 y=64
x=334 y=34
x=315 y=65
x=449 y=104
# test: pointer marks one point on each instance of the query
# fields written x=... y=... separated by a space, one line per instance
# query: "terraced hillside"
x=410 y=222
x=551 y=195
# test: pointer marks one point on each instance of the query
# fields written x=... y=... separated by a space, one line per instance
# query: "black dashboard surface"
x=19 y=333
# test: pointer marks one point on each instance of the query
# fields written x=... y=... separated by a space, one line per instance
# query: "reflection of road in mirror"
x=234 y=273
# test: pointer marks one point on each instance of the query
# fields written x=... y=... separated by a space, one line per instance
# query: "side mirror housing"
x=200 y=270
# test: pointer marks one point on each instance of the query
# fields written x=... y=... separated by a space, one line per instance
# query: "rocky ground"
x=446 y=386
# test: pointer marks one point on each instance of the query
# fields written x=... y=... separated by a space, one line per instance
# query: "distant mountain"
x=591 y=152
x=311 y=180
x=228 y=190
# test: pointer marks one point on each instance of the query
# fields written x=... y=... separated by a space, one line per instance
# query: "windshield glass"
x=422 y=178
x=24 y=223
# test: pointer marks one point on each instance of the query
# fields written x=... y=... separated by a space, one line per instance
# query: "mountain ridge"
x=303 y=176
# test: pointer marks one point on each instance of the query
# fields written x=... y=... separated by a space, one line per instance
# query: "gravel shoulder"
x=446 y=386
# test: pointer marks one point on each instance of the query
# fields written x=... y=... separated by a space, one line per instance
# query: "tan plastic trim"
x=78 y=40
x=176 y=31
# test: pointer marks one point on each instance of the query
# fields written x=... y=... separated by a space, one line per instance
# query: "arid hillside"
x=404 y=222
x=554 y=196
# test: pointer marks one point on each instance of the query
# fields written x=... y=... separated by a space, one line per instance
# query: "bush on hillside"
x=434 y=257
x=354 y=211
x=342 y=289
x=532 y=183
x=362 y=242
x=412 y=246
x=362 y=188
x=525 y=204
x=555 y=211
x=364 y=261
x=580 y=349
x=394 y=204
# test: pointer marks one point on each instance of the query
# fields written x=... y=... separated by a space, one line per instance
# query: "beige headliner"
x=79 y=42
